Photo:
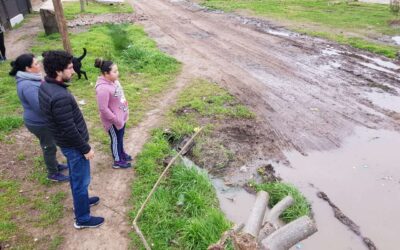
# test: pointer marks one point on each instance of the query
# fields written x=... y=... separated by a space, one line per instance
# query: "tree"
x=82 y=5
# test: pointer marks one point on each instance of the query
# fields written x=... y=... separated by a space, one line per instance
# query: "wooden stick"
x=62 y=25
x=141 y=236
x=162 y=175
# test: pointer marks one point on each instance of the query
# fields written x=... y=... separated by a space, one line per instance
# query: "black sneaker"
x=127 y=157
x=58 y=177
x=121 y=164
x=93 y=201
x=62 y=167
x=92 y=223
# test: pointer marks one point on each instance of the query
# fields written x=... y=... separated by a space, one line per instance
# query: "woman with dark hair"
x=113 y=109
x=27 y=72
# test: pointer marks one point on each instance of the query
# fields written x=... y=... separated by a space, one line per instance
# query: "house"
x=12 y=11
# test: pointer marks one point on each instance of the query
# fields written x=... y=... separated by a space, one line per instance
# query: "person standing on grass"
x=2 y=46
x=27 y=72
x=113 y=109
x=66 y=122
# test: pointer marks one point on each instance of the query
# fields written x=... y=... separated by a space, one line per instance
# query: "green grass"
x=20 y=210
x=56 y=242
x=11 y=202
x=142 y=78
x=183 y=213
x=39 y=171
x=203 y=99
x=51 y=208
x=277 y=191
x=10 y=107
x=10 y=198
x=331 y=19
x=73 y=9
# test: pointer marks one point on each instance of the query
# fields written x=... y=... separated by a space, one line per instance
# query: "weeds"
x=277 y=191
x=183 y=213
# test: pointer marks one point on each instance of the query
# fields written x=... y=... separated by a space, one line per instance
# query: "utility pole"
x=62 y=25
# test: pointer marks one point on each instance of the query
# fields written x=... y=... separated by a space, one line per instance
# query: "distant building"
x=12 y=11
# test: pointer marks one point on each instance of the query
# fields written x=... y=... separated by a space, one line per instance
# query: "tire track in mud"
x=281 y=76
x=113 y=185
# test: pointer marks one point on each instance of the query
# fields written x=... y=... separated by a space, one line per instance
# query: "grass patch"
x=203 y=99
x=73 y=9
x=56 y=242
x=51 y=208
x=326 y=18
x=277 y=191
x=39 y=171
x=11 y=207
x=10 y=107
x=356 y=42
x=183 y=213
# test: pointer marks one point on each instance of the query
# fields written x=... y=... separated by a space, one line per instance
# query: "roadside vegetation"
x=184 y=211
x=348 y=22
x=73 y=9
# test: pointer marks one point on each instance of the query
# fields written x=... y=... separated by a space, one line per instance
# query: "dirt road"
x=309 y=93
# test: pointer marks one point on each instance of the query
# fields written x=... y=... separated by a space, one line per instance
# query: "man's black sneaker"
x=93 y=201
x=62 y=167
x=92 y=223
x=58 y=177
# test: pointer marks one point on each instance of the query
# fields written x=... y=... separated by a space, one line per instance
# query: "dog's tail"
x=82 y=56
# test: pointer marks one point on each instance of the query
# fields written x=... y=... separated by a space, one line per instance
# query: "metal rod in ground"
x=134 y=223
x=141 y=236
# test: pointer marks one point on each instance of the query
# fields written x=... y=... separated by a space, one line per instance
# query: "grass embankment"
x=347 y=22
x=184 y=213
x=73 y=9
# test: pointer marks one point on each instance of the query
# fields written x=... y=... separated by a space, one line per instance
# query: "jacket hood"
x=102 y=80
x=21 y=75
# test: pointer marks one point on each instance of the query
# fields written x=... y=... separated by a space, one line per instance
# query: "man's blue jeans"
x=79 y=172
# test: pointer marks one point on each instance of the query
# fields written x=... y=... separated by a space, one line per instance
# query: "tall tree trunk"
x=82 y=5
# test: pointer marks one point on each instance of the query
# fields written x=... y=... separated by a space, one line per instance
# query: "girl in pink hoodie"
x=113 y=109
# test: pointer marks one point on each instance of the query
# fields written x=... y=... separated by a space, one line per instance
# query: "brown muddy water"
x=362 y=178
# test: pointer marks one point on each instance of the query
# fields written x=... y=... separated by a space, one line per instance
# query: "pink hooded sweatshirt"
x=112 y=104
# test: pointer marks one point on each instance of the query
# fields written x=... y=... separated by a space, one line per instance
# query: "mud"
x=90 y=19
x=309 y=95
x=361 y=178
x=113 y=186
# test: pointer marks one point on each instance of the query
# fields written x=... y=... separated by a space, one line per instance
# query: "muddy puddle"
x=384 y=100
x=362 y=178
x=235 y=202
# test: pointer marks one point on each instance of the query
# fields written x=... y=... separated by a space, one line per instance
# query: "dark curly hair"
x=55 y=60
x=103 y=65
x=20 y=64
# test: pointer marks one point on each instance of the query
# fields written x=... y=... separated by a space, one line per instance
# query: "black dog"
x=77 y=62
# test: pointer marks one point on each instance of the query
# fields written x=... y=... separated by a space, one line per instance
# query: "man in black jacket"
x=69 y=129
